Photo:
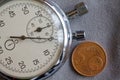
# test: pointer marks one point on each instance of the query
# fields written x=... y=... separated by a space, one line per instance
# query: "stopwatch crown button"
x=80 y=9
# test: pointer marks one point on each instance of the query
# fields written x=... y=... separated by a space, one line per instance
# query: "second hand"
x=24 y=37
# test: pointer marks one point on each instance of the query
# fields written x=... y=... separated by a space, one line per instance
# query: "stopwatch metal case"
x=67 y=39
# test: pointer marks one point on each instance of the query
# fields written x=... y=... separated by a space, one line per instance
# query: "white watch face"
x=31 y=38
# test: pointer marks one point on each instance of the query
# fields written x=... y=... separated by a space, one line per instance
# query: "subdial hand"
x=24 y=37
x=39 y=29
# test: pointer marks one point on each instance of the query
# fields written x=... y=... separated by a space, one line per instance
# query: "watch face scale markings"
x=23 y=66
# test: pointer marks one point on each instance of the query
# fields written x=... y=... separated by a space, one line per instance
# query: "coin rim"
x=77 y=47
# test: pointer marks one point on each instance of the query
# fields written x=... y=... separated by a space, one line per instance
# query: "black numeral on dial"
x=46 y=52
x=38 y=13
x=2 y=23
x=36 y=62
x=12 y=14
x=22 y=65
x=1 y=50
x=25 y=10
x=9 y=60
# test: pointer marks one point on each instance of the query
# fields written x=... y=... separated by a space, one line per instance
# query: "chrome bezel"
x=67 y=39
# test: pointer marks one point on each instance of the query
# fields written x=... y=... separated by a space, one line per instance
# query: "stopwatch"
x=35 y=36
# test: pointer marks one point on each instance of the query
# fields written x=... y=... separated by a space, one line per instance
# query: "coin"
x=88 y=58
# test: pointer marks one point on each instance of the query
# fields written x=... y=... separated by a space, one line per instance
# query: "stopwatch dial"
x=31 y=38
x=40 y=27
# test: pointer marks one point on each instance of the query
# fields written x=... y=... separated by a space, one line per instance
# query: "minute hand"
x=24 y=37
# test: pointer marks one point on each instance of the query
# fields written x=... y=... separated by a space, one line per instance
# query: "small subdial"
x=9 y=44
x=40 y=27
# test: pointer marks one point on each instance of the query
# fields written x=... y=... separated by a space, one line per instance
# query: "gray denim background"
x=102 y=25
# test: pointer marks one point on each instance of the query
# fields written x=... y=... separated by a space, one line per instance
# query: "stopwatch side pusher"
x=67 y=40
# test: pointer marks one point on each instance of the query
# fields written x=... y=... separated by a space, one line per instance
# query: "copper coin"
x=88 y=59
